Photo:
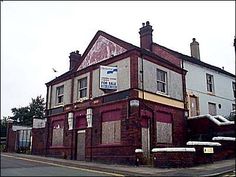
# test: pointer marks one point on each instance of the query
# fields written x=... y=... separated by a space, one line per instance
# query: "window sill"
x=211 y=93
x=58 y=105
x=81 y=99
x=163 y=94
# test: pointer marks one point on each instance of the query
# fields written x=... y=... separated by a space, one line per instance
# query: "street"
x=15 y=164
x=18 y=166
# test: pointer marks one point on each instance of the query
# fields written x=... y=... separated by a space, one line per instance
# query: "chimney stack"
x=194 y=46
x=74 y=58
x=146 y=36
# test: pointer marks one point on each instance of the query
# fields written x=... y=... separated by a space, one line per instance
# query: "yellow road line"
x=58 y=165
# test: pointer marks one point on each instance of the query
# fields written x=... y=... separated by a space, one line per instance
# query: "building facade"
x=114 y=99
x=210 y=89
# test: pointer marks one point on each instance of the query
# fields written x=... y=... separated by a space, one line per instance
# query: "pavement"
x=218 y=168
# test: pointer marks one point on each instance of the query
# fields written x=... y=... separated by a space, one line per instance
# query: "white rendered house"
x=210 y=89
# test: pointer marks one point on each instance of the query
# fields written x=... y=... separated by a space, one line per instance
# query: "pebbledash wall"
x=137 y=115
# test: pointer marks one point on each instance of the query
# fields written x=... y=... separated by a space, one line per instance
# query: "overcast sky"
x=38 y=36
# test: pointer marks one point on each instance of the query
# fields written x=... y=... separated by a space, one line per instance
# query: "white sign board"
x=208 y=150
x=89 y=117
x=134 y=103
x=39 y=123
x=108 y=77
x=70 y=120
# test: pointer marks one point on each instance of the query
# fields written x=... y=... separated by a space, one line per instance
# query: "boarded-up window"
x=164 y=128
x=57 y=133
x=111 y=127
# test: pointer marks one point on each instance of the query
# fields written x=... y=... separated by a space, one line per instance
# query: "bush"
x=2 y=147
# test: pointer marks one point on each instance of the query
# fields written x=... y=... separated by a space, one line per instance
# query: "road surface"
x=19 y=166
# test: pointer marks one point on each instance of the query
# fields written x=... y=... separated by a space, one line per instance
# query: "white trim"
x=213 y=119
x=223 y=138
x=58 y=105
x=222 y=118
x=176 y=149
x=18 y=127
x=138 y=150
x=202 y=143
x=81 y=131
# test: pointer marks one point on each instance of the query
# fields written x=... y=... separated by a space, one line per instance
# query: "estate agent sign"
x=108 y=77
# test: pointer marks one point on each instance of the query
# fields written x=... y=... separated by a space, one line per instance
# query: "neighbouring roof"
x=202 y=143
x=194 y=60
x=223 y=138
x=174 y=149
x=218 y=120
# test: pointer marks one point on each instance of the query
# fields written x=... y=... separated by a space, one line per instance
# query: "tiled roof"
x=127 y=45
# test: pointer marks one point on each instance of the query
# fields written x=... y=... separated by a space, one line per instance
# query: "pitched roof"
x=124 y=44
x=120 y=42
x=195 y=60
x=66 y=74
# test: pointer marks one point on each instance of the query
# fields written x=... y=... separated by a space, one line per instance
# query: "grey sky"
x=38 y=36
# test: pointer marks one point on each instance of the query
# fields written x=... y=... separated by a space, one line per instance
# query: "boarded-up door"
x=145 y=141
x=193 y=106
x=212 y=109
x=145 y=136
x=81 y=145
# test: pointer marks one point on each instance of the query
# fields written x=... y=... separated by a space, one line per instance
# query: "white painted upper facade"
x=196 y=85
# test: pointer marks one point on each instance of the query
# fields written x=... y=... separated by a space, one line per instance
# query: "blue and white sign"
x=108 y=77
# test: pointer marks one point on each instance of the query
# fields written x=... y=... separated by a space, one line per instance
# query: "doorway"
x=146 y=142
x=81 y=145
x=194 y=107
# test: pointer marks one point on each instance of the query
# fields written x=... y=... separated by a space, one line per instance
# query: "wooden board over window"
x=163 y=127
x=212 y=108
x=111 y=132
x=57 y=133
x=111 y=127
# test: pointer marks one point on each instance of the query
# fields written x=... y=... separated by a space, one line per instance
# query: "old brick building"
x=114 y=99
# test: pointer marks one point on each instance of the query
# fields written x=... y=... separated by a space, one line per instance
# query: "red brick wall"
x=130 y=133
x=11 y=138
x=166 y=55
x=123 y=152
x=225 y=151
x=208 y=129
x=179 y=129
x=38 y=141
x=173 y=159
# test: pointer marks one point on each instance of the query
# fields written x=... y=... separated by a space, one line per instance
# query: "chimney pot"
x=146 y=36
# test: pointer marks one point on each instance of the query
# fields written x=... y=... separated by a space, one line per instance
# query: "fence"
x=23 y=143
